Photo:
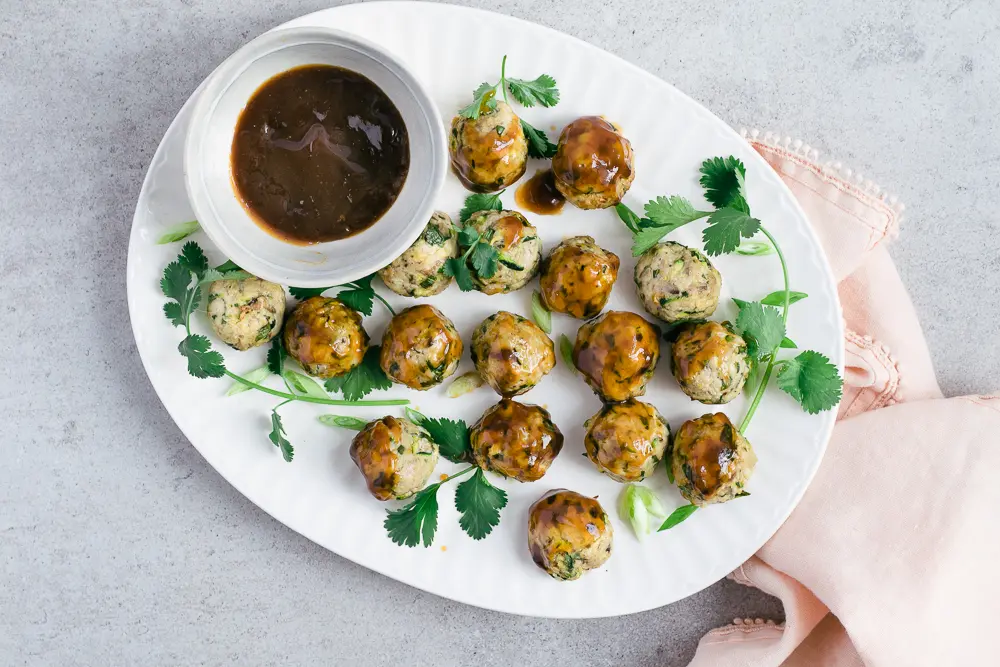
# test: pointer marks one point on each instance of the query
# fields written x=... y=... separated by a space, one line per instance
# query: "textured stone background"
x=120 y=546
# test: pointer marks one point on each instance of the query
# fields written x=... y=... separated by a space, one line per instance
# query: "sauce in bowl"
x=320 y=153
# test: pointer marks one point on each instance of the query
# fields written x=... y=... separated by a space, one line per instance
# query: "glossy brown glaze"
x=325 y=337
x=617 y=353
x=626 y=440
x=320 y=153
x=515 y=440
x=577 y=277
x=593 y=163
x=511 y=353
x=420 y=348
x=711 y=460
x=568 y=534
x=539 y=194
x=490 y=152
x=373 y=450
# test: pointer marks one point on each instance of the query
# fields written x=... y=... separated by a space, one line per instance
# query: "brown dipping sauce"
x=320 y=153
x=539 y=195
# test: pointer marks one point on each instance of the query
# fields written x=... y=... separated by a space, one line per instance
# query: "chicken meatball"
x=325 y=337
x=593 y=163
x=710 y=362
x=626 y=440
x=395 y=456
x=490 y=152
x=246 y=313
x=420 y=348
x=518 y=245
x=711 y=461
x=577 y=278
x=568 y=534
x=677 y=283
x=617 y=353
x=511 y=353
x=419 y=271
x=515 y=440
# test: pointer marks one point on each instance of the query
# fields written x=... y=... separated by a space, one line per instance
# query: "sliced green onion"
x=304 y=385
x=343 y=421
x=178 y=232
x=640 y=507
x=256 y=376
x=464 y=384
x=566 y=351
x=678 y=515
x=541 y=314
x=755 y=249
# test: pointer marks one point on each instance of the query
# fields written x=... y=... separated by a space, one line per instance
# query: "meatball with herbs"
x=568 y=534
x=511 y=353
x=419 y=271
x=677 y=283
x=626 y=440
x=325 y=337
x=617 y=353
x=395 y=456
x=711 y=461
x=577 y=277
x=710 y=362
x=490 y=152
x=518 y=248
x=420 y=348
x=515 y=440
x=593 y=164
x=246 y=313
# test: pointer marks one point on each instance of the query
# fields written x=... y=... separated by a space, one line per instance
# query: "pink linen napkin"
x=890 y=559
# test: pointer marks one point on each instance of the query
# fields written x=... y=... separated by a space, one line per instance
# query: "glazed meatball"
x=325 y=337
x=490 y=152
x=593 y=163
x=395 y=456
x=626 y=440
x=420 y=348
x=515 y=440
x=677 y=283
x=418 y=271
x=577 y=278
x=246 y=313
x=511 y=353
x=568 y=534
x=710 y=362
x=710 y=460
x=617 y=353
x=518 y=245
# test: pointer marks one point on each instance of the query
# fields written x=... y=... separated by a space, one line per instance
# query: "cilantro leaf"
x=646 y=239
x=673 y=212
x=211 y=275
x=541 y=90
x=479 y=202
x=483 y=101
x=451 y=435
x=303 y=293
x=788 y=343
x=228 y=265
x=178 y=232
x=778 y=298
x=415 y=522
x=359 y=295
x=468 y=237
x=629 y=217
x=761 y=326
x=677 y=516
x=539 y=145
x=172 y=310
x=484 y=260
x=456 y=268
x=362 y=379
x=725 y=227
x=480 y=503
x=277 y=436
x=203 y=361
x=193 y=258
x=811 y=380
x=722 y=177
x=276 y=356
x=175 y=283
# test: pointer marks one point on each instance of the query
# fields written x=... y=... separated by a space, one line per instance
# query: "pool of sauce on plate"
x=539 y=195
x=320 y=153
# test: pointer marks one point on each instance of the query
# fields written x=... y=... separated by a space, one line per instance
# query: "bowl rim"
x=226 y=74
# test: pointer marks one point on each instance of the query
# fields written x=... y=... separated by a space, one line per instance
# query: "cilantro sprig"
x=363 y=378
x=478 y=257
x=359 y=294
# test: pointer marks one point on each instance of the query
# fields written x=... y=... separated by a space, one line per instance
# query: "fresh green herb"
x=301 y=384
x=722 y=178
x=634 y=223
x=276 y=356
x=227 y=266
x=277 y=435
x=539 y=145
x=416 y=522
x=743 y=494
x=483 y=101
x=362 y=379
x=761 y=327
x=778 y=298
x=811 y=380
x=541 y=90
x=640 y=507
x=677 y=516
x=541 y=314
x=672 y=212
x=343 y=421
x=477 y=202
x=482 y=256
x=203 y=361
x=211 y=275
x=464 y=384
x=566 y=350
x=178 y=232
x=726 y=227
x=257 y=376
x=451 y=435
x=358 y=294
x=754 y=249
x=788 y=343
x=433 y=236
x=479 y=503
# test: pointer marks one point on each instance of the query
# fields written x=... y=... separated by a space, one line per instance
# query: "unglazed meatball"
x=577 y=277
x=511 y=353
x=518 y=245
x=711 y=462
x=568 y=534
x=420 y=348
x=593 y=164
x=395 y=456
x=626 y=440
x=677 y=283
x=325 y=337
x=710 y=362
x=515 y=440
x=419 y=271
x=246 y=313
x=490 y=152
x=617 y=353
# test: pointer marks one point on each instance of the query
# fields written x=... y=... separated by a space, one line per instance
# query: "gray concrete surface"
x=120 y=546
